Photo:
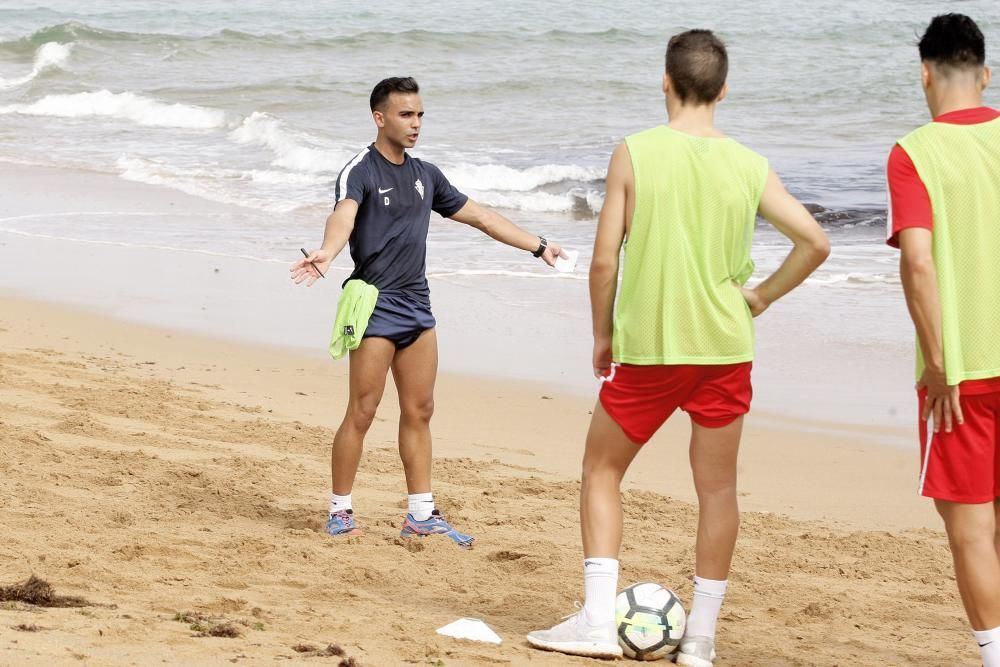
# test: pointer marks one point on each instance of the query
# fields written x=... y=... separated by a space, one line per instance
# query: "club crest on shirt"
x=420 y=188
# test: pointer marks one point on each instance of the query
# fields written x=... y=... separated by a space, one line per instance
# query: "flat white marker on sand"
x=470 y=628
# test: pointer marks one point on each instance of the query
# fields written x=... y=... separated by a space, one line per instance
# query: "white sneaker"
x=696 y=652
x=578 y=637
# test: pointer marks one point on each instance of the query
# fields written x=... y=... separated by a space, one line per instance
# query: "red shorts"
x=963 y=466
x=641 y=398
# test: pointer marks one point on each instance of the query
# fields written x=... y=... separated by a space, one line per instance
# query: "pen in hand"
x=312 y=264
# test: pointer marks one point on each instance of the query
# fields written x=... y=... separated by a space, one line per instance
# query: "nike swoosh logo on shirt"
x=986 y=644
x=382 y=192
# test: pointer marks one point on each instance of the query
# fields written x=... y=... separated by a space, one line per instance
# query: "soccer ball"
x=650 y=621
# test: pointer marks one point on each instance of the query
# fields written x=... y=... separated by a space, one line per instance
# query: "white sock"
x=989 y=646
x=705 y=607
x=421 y=505
x=600 y=586
x=340 y=503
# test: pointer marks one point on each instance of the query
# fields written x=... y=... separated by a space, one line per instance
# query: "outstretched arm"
x=607 y=248
x=920 y=285
x=811 y=247
x=339 y=226
x=501 y=229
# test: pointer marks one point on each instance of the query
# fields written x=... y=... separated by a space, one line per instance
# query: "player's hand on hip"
x=305 y=268
x=602 y=356
x=753 y=298
x=552 y=253
x=943 y=402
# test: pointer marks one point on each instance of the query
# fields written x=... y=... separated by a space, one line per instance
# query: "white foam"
x=535 y=202
x=595 y=200
x=497 y=177
x=51 y=55
x=125 y=106
x=525 y=189
x=855 y=278
x=539 y=201
x=205 y=183
x=293 y=150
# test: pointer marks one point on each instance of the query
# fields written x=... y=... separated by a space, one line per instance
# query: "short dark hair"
x=394 y=84
x=698 y=64
x=953 y=40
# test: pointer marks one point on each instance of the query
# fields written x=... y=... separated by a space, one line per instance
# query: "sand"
x=179 y=483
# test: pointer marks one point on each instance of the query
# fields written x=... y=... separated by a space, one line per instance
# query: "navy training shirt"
x=389 y=240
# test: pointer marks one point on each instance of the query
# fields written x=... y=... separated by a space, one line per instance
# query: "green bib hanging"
x=357 y=302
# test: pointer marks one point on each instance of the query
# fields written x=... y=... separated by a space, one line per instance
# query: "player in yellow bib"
x=944 y=186
x=683 y=199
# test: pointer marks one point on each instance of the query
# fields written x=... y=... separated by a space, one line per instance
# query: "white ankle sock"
x=340 y=503
x=600 y=586
x=421 y=505
x=705 y=607
x=989 y=646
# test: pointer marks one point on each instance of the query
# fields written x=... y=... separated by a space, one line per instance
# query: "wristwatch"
x=542 y=245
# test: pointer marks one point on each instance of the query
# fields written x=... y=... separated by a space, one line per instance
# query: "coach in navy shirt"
x=384 y=203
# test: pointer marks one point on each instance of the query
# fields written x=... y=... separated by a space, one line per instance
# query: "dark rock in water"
x=830 y=217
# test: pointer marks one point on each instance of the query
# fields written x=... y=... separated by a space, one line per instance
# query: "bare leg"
x=972 y=536
x=369 y=366
x=608 y=455
x=414 y=369
x=996 y=523
x=713 y=454
x=592 y=632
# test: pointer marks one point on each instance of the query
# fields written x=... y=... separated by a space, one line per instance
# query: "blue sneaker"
x=342 y=523
x=435 y=525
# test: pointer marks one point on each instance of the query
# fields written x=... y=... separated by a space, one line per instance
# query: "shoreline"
x=853 y=368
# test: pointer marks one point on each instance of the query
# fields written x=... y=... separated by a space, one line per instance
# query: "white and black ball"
x=650 y=620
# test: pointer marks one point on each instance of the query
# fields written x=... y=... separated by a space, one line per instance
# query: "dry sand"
x=179 y=483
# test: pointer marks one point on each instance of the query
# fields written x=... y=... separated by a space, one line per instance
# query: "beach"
x=165 y=476
x=167 y=417
x=167 y=403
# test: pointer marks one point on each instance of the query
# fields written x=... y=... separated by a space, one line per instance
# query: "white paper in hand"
x=470 y=628
x=567 y=264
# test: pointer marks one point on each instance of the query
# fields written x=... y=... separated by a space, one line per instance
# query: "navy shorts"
x=400 y=318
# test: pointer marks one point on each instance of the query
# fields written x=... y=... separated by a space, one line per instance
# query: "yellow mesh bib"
x=688 y=247
x=960 y=167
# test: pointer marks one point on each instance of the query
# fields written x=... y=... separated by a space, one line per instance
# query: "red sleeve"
x=909 y=203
